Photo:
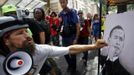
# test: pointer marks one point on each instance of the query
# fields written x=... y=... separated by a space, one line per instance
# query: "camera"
x=22 y=13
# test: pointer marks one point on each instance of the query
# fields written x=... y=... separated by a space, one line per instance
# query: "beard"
x=30 y=48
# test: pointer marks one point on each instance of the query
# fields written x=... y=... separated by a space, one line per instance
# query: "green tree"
x=130 y=7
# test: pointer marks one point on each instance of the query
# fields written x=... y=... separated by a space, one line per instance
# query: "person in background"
x=54 y=24
x=85 y=31
x=70 y=29
x=89 y=19
x=96 y=27
x=39 y=16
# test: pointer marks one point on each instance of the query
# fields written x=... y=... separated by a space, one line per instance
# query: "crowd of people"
x=45 y=30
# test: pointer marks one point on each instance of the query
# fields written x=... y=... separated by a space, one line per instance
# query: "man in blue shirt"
x=70 y=31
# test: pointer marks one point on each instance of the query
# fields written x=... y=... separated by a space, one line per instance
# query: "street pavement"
x=90 y=69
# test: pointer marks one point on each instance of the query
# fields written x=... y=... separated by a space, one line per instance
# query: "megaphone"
x=18 y=63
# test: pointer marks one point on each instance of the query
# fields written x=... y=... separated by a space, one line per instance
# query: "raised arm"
x=74 y=49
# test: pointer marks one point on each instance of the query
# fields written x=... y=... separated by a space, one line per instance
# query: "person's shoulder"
x=73 y=10
x=42 y=46
x=61 y=13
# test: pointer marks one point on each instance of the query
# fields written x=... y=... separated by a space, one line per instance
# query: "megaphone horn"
x=18 y=63
x=15 y=63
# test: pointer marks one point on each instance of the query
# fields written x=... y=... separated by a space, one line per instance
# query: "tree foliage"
x=130 y=7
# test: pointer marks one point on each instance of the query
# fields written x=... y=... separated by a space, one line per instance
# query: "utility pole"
x=48 y=3
x=100 y=13
x=47 y=11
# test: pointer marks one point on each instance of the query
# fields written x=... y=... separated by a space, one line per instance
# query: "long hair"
x=4 y=50
x=42 y=11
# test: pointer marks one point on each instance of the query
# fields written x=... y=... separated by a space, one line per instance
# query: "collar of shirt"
x=112 y=59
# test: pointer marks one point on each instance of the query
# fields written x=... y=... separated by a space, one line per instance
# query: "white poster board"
x=126 y=21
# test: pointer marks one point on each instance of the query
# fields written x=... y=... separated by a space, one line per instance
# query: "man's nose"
x=118 y=42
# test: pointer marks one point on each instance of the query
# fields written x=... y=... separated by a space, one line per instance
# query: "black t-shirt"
x=35 y=29
x=45 y=27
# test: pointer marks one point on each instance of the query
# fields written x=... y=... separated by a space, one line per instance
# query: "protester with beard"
x=14 y=36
